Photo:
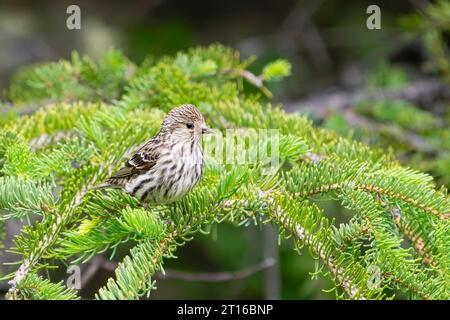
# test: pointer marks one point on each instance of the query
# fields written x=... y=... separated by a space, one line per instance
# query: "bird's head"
x=185 y=123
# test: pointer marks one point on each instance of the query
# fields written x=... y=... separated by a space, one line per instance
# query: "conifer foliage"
x=71 y=123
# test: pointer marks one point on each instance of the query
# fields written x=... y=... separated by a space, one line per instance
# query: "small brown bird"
x=168 y=165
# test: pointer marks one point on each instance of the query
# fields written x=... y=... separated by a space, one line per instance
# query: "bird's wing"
x=143 y=160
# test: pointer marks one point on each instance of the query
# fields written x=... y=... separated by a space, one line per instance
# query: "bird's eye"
x=189 y=125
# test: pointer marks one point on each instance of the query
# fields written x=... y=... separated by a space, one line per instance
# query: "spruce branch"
x=317 y=247
x=395 y=259
x=382 y=190
x=417 y=240
x=51 y=157
x=36 y=288
x=134 y=273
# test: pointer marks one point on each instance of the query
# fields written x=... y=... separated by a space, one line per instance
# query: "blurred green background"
x=385 y=87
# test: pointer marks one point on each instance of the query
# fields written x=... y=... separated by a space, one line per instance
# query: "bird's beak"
x=206 y=130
